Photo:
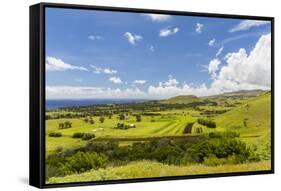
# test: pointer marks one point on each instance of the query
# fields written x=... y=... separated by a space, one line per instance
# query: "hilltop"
x=182 y=99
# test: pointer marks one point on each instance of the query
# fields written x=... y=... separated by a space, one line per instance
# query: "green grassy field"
x=148 y=169
x=245 y=113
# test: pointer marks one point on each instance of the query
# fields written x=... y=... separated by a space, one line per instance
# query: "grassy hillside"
x=146 y=169
x=168 y=124
x=253 y=121
x=252 y=117
x=182 y=99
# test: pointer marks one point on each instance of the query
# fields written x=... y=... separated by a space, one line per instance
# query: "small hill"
x=182 y=99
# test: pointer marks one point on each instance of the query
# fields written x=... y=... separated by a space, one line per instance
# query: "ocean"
x=58 y=103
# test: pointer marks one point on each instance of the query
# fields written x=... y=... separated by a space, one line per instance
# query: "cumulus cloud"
x=115 y=80
x=157 y=17
x=95 y=37
x=247 y=24
x=213 y=67
x=56 y=64
x=212 y=42
x=241 y=71
x=165 y=32
x=219 y=51
x=247 y=71
x=199 y=28
x=98 y=70
x=139 y=82
x=132 y=38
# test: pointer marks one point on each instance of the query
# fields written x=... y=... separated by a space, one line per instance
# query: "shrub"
x=207 y=123
x=88 y=136
x=138 y=118
x=81 y=161
x=83 y=136
x=55 y=134
x=122 y=117
x=101 y=119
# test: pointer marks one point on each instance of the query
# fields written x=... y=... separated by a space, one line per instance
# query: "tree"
x=61 y=125
x=138 y=118
x=122 y=117
x=67 y=124
x=101 y=119
x=91 y=121
x=86 y=120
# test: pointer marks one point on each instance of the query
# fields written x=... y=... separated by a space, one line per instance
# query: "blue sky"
x=99 y=54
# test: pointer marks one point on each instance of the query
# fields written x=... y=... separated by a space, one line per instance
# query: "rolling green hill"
x=252 y=117
x=182 y=99
x=253 y=121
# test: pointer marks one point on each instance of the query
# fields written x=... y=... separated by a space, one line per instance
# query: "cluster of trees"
x=124 y=126
x=55 y=134
x=207 y=123
x=65 y=125
x=89 y=120
x=83 y=136
x=214 y=149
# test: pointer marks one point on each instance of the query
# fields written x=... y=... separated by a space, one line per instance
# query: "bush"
x=101 y=119
x=62 y=165
x=88 y=136
x=83 y=136
x=122 y=117
x=138 y=118
x=81 y=162
x=207 y=123
x=55 y=134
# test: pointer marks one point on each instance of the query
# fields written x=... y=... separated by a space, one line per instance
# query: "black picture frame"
x=37 y=93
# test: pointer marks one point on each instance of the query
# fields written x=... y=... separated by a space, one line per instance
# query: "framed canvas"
x=121 y=95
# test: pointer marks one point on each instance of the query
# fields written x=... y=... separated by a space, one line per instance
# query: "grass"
x=146 y=169
x=172 y=124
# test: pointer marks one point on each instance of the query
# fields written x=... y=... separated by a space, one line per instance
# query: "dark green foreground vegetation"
x=214 y=149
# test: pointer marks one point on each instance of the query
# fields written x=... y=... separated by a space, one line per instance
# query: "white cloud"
x=139 y=82
x=98 y=70
x=55 y=64
x=212 y=42
x=214 y=67
x=247 y=24
x=95 y=37
x=132 y=38
x=89 y=92
x=151 y=48
x=239 y=71
x=247 y=71
x=168 y=31
x=199 y=28
x=115 y=80
x=157 y=17
x=219 y=51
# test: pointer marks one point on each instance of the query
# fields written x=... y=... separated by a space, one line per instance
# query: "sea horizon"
x=60 y=103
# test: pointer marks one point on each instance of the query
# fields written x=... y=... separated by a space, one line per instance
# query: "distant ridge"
x=248 y=93
x=182 y=99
